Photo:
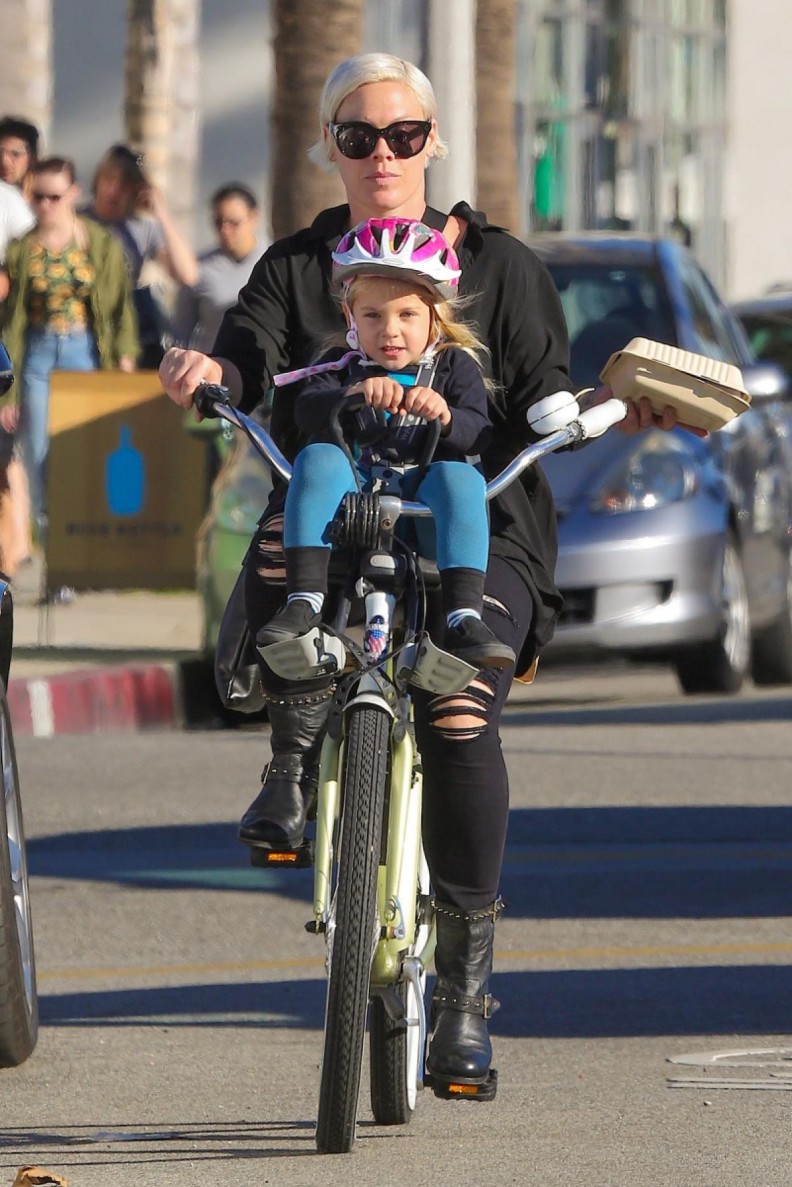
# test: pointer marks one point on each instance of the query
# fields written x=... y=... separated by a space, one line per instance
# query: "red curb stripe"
x=99 y=701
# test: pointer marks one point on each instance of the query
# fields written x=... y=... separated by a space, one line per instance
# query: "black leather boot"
x=276 y=818
x=460 y=1051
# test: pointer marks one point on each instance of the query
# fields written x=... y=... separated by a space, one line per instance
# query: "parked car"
x=671 y=547
x=767 y=320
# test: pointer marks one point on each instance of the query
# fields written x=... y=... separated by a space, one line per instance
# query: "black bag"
x=236 y=671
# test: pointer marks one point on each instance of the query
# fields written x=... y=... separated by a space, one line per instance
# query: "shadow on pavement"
x=642 y=863
x=577 y=1003
x=687 y=712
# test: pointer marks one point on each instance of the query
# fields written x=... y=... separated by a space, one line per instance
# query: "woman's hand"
x=182 y=371
x=126 y=363
x=380 y=391
x=640 y=415
x=9 y=417
x=426 y=402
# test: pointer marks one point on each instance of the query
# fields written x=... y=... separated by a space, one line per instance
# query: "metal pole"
x=451 y=65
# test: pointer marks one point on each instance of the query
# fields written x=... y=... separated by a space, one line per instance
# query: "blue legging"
x=453 y=490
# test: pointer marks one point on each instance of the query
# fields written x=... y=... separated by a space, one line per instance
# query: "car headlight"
x=663 y=469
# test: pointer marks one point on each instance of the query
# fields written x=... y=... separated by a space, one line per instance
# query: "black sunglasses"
x=357 y=140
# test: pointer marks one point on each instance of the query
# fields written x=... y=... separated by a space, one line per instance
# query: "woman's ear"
x=329 y=143
x=431 y=141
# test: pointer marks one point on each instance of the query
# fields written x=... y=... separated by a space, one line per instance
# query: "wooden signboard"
x=126 y=484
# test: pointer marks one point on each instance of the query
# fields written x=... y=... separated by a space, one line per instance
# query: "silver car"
x=671 y=547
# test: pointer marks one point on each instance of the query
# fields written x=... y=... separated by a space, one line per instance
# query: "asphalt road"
x=649 y=882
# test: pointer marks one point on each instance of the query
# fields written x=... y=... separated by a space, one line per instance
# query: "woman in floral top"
x=69 y=309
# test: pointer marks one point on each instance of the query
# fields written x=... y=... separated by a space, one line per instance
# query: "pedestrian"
x=125 y=202
x=223 y=270
x=69 y=308
x=378 y=129
x=19 y=145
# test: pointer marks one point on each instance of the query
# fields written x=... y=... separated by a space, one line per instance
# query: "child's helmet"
x=398 y=247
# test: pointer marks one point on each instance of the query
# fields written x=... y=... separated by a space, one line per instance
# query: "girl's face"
x=382 y=184
x=393 y=323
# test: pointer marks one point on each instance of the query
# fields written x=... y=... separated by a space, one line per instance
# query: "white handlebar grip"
x=553 y=413
x=597 y=420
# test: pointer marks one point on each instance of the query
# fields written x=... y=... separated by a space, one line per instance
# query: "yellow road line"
x=504 y=956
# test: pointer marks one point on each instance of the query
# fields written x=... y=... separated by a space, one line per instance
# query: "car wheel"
x=772 y=648
x=721 y=664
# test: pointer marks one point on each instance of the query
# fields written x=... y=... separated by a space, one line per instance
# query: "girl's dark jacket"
x=287 y=311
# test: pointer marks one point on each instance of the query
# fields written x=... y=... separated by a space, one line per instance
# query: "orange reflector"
x=463 y=1089
x=287 y=857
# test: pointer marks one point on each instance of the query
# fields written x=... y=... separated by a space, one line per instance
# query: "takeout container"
x=706 y=393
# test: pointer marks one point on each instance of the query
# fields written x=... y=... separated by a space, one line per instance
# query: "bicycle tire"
x=395 y=1057
x=390 y=1102
x=355 y=932
x=18 y=994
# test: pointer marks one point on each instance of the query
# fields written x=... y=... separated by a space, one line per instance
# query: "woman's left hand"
x=126 y=363
x=640 y=415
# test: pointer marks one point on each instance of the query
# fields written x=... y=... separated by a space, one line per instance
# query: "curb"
x=98 y=701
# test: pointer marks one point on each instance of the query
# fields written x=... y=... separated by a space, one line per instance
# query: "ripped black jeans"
x=466 y=787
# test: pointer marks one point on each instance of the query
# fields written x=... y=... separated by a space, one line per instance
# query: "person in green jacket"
x=69 y=308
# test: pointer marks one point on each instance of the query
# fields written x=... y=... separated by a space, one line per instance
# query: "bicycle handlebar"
x=214 y=400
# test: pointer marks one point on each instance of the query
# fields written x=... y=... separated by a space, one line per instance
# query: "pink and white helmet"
x=398 y=247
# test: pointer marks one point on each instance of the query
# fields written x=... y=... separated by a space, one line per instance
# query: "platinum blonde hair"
x=357 y=72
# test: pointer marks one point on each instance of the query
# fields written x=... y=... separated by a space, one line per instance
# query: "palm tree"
x=311 y=37
x=496 y=136
x=162 y=96
x=26 y=76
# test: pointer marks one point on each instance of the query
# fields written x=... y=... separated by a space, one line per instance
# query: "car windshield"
x=605 y=307
x=770 y=336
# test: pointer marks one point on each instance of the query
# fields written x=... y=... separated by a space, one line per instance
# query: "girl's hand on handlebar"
x=182 y=371
x=640 y=415
x=425 y=402
x=380 y=391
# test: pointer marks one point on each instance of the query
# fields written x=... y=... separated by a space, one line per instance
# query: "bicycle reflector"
x=297 y=859
x=453 y=1090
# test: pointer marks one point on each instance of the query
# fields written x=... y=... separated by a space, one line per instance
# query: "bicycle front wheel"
x=353 y=931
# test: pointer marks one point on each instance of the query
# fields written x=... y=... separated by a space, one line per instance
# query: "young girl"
x=409 y=358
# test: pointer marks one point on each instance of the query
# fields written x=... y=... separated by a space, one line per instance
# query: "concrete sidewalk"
x=106 y=661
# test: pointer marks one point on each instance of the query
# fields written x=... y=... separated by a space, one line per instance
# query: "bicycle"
x=372 y=899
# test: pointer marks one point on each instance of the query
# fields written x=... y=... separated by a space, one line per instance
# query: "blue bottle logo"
x=125 y=477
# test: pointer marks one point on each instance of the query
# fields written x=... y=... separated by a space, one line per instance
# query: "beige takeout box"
x=705 y=392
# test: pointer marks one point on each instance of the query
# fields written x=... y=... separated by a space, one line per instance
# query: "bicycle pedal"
x=297 y=859
x=457 y=1090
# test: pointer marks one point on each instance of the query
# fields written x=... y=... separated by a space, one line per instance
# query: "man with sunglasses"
x=379 y=131
x=223 y=270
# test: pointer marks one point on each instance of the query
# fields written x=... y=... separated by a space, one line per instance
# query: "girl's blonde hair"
x=357 y=72
x=445 y=323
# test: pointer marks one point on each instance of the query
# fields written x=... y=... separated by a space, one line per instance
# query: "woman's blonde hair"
x=357 y=72
x=445 y=325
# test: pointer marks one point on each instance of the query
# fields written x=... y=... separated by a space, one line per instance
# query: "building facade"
x=666 y=116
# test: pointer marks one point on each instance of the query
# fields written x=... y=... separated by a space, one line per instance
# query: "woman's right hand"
x=182 y=371
x=9 y=417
